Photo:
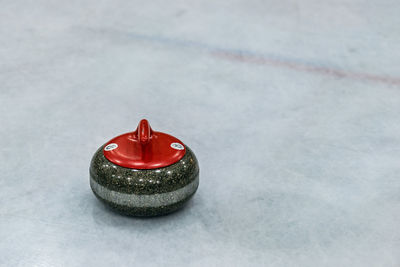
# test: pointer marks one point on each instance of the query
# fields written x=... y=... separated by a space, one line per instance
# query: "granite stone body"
x=144 y=192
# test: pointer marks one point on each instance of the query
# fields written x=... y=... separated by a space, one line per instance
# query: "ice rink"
x=292 y=108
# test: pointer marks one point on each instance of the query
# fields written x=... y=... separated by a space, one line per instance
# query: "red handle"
x=144 y=132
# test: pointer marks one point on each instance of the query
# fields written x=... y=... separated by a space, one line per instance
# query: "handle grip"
x=144 y=132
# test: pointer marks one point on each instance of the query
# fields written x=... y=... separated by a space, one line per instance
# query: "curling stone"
x=144 y=173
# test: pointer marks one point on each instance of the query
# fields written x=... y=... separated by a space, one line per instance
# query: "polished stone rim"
x=145 y=201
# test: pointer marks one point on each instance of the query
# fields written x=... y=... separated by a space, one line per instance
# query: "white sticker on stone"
x=177 y=146
x=110 y=147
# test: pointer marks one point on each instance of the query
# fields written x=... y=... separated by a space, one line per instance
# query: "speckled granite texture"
x=144 y=192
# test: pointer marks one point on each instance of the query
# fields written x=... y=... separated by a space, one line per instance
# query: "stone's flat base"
x=145 y=212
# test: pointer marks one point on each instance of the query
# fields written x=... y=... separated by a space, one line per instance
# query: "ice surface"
x=292 y=108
